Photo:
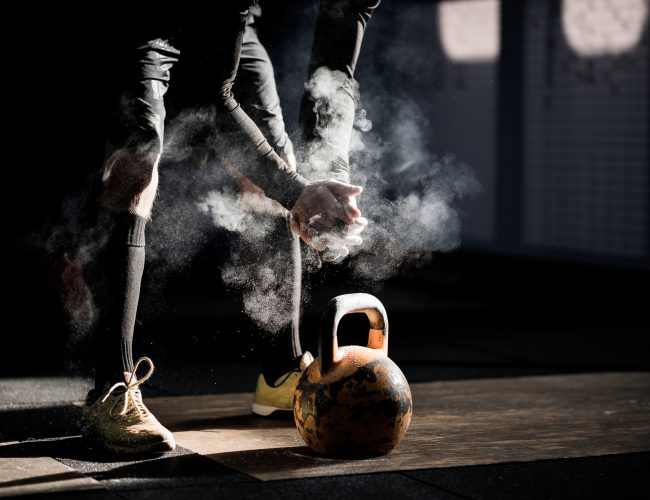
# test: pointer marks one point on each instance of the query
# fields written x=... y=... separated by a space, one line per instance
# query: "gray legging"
x=257 y=93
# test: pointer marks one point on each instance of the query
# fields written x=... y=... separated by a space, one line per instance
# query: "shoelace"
x=131 y=392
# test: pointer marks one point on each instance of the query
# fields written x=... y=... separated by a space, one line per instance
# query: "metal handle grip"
x=328 y=345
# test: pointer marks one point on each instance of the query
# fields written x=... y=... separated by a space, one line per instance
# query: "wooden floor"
x=34 y=475
x=454 y=423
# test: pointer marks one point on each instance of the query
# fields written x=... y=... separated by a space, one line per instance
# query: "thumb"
x=351 y=211
x=342 y=188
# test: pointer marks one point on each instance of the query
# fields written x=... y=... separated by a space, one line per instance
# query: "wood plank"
x=210 y=424
x=31 y=475
x=455 y=423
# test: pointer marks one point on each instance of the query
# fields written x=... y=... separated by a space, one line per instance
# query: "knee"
x=128 y=174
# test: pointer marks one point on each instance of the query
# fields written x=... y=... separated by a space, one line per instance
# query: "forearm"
x=327 y=141
x=253 y=156
x=248 y=149
x=330 y=91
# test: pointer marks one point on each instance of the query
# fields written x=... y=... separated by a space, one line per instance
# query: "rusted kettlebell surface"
x=353 y=400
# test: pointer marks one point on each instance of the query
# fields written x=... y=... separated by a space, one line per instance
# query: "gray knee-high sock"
x=122 y=267
x=283 y=353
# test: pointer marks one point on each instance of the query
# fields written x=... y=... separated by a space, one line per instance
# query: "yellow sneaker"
x=121 y=421
x=279 y=396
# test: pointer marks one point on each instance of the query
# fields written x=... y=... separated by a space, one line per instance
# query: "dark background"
x=552 y=273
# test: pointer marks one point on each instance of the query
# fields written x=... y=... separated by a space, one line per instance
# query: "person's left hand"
x=338 y=242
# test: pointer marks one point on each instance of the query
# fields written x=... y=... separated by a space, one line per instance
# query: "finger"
x=352 y=240
x=334 y=241
x=321 y=223
x=356 y=227
x=329 y=256
x=347 y=201
x=332 y=255
x=350 y=205
x=346 y=195
x=334 y=209
x=304 y=233
x=342 y=188
x=335 y=246
x=337 y=236
x=313 y=238
x=315 y=244
x=350 y=209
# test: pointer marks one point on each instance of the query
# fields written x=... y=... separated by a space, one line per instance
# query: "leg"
x=130 y=181
x=257 y=92
x=280 y=347
x=114 y=411
x=283 y=360
x=259 y=98
x=219 y=44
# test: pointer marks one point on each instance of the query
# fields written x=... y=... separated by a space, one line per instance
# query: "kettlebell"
x=353 y=400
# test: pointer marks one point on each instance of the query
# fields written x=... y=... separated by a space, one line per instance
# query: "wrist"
x=292 y=186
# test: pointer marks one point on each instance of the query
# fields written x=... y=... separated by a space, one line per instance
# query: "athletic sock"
x=284 y=351
x=122 y=265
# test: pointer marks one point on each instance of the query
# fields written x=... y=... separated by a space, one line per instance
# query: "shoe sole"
x=161 y=447
x=265 y=410
x=90 y=433
x=153 y=448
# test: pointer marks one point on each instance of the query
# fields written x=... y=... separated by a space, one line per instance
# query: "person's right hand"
x=326 y=217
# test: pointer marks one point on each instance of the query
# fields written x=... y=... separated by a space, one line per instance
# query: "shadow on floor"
x=43 y=422
x=279 y=420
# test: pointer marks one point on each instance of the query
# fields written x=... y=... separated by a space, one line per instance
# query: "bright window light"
x=469 y=29
x=603 y=27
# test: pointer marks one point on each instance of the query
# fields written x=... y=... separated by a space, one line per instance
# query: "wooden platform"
x=454 y=423
x=33 y=475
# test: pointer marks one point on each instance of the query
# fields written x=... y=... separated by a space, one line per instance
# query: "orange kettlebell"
x=353 y=400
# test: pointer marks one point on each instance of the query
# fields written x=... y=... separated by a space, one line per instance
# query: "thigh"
x=136 y=138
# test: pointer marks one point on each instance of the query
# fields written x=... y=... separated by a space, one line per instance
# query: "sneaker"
x=279 y=396
x=121 y=421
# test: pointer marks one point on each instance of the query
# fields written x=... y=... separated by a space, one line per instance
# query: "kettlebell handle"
x=328 y=344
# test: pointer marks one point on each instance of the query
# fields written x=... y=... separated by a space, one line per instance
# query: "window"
x=603 y=27
x=469 y=29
